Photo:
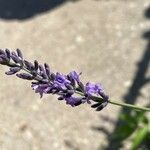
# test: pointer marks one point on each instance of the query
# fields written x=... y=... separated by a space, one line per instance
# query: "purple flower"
x=39 y=88
x=61 y=80
x=74 y=101
x=75 y=76
x=68 y=87
x=95 y=89
x=92 y=88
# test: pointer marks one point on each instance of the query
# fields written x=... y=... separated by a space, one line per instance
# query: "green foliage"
x=140 y=136
x=136 y=126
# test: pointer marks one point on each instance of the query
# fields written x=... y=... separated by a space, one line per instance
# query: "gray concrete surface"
x=103 y=39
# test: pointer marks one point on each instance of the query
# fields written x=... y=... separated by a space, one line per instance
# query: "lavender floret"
x=19 y=53
x=25 y=76
x=47 y=69
x=13 y=70
x=36 y=65
x=75 y=76
x=7 y=53
x=68 y=87
x=28 y=65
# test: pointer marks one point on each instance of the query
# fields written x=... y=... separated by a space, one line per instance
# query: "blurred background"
x=109 y=41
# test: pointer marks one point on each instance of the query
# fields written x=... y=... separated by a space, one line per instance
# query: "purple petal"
x=75 y=76
x=73 y=101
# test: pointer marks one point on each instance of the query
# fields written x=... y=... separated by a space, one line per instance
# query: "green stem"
x=139 y=108
x=129 y=106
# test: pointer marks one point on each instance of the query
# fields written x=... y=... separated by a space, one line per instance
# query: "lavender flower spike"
x=68 y=87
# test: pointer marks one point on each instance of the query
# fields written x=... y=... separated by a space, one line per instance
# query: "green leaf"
x=140 y=135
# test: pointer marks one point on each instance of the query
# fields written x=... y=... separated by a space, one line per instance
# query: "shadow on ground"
x=132 y=94
x=25 y=9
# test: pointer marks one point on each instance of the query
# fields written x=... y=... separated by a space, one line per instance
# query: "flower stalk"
x=138 y=108
x=130 y=106
x=68 y=87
